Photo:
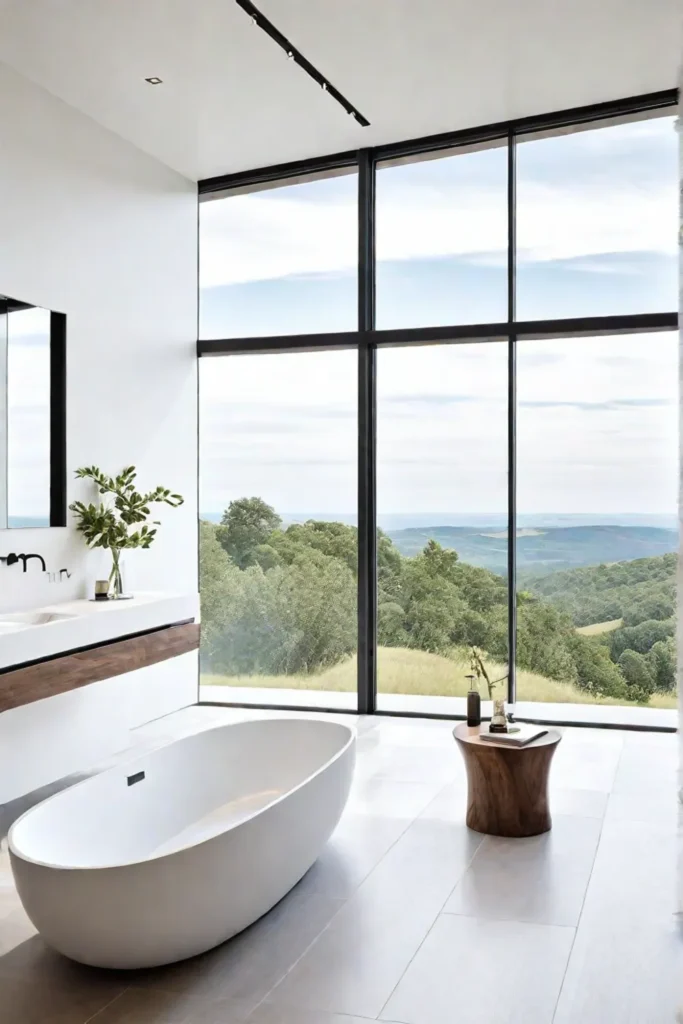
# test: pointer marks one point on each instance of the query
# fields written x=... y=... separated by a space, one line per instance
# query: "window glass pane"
x=442 y=240
x=596 y=221
x=280 y=260
x=442 y=510
x=597 y=450
x=278 y=564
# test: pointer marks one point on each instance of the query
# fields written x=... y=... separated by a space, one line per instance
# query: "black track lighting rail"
x=260 y=21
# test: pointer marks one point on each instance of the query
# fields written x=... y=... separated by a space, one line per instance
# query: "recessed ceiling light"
x=154 y=80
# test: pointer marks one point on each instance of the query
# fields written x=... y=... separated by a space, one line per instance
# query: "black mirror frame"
x=57 y=419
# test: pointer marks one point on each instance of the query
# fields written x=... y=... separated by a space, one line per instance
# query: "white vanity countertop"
x=92 y=622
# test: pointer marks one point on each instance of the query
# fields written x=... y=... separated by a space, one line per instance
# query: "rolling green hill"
x=633 y=591
x=542 y=551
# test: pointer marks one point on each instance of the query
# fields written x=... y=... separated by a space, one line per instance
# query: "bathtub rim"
x=350 y=741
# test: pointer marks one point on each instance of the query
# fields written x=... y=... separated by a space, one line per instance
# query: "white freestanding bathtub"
x=168 y=855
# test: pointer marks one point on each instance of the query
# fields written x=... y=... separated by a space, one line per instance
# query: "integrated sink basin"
x=51 y=630
x=16 y=620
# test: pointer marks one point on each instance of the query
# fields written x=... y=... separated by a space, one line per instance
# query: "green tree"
x=321 y=595
x=595 y=671
x=296 y=618
x=220 y=587
x=391 y=631
x=659 y=605
x=246 y=524
x=543 y=641
x=434 y=608
x=438 y=561
x=281 y=601
x=637 y=673
x=266 y=556
x=337 y=540
x=389 y=569
x=662 y=661
x=640 y=638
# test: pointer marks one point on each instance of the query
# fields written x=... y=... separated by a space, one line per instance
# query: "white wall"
x=93 y=227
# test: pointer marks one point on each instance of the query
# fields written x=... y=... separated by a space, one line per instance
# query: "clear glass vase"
x=116 y=575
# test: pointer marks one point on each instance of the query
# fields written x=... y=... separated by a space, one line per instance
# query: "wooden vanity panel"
x=69 y=671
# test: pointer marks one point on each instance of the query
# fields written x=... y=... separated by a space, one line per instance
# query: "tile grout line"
x=431 y=927
x=343 y=902
x=106 y=1006
x=409 y=823
x=585 y=895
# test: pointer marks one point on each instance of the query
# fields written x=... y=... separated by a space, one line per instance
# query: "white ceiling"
x=230 y=100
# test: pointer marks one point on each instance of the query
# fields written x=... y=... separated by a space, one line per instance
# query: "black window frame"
x=367 y=340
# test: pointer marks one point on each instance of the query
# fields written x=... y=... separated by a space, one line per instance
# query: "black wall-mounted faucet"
x=13 y=558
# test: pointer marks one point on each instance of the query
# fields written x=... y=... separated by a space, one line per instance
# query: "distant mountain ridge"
x=541 y=550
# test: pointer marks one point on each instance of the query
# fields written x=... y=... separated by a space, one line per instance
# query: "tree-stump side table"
x=507 y=787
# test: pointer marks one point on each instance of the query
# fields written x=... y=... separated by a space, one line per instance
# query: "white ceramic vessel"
x=124 y=874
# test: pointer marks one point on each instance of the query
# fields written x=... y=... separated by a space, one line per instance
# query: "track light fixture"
x=260 y=20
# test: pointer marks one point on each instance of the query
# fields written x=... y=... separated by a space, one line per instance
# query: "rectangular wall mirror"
x=32 y=415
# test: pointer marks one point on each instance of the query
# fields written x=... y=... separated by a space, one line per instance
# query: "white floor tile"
x=411 y=732
x=627 y=962
x=647 y=763
x=654 y=805
x=411 y=764
x=450 y=804
x=355 y=964
x=246 y=968
x=586 y=803
x=389 y=799
x=483 y=972
x=268 y=1013
x=542 y=879
x=357 y=846
x=586 y=762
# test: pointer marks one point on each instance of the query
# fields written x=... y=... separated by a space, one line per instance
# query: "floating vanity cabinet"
x=54 y=650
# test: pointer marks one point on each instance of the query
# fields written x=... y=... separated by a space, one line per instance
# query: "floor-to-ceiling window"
x=597 y=457
x=278 y=439
x=438 y=423
x=442 y=509
x=278 y=548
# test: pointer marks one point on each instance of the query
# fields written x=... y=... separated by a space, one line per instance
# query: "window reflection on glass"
x=442 y=513
x=26 y=391
x=280 y=260
x=597 y=472
x=442 y=239
x=597 y=220
x=278 y=562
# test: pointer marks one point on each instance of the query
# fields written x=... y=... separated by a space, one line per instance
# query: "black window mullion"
x=512 y=426
x=367 y=440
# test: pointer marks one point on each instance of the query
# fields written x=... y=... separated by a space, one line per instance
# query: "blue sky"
x=597 y=431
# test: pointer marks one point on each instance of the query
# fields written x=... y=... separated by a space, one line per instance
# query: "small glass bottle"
x=499 y=722
x=473 y=703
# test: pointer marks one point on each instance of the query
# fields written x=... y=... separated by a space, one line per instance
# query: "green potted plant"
x=123 y=521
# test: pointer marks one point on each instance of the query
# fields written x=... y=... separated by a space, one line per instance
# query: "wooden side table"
x=507 y=787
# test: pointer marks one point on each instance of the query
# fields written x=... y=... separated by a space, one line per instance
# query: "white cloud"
x=597 y=194
x=600 y=434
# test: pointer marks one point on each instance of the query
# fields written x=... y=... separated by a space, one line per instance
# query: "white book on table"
x=517 y=735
